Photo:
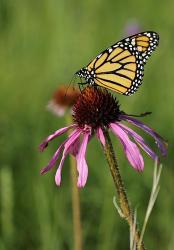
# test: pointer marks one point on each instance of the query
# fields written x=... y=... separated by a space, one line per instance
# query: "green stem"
x=77 y=229
x=122 y=196
x=76 y=207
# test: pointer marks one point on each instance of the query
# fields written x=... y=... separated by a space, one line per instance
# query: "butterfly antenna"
x=141 y=115
x=75 y=76
x=72 y=81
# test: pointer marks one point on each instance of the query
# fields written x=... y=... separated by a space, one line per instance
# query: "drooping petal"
x=55 y=134
x=140 y=141
x=81 y=162
x=162 y=145
x=55 y=108
x=56 y=154
x=72 y=138
x=53 y=159
x=100 y=136
x=74 y=148
x=131 y=150
x=58 y=175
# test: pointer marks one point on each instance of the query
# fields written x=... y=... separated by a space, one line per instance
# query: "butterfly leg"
x=81 y=86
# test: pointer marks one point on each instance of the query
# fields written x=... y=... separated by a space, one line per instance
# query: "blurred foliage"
x=42 y=44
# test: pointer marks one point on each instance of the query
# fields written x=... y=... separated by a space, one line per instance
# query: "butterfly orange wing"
x=120 y=67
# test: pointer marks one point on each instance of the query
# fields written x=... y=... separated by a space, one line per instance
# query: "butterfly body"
x=87 y=75
x=121 y=66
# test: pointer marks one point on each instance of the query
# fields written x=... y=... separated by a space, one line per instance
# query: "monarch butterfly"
x=120 y=67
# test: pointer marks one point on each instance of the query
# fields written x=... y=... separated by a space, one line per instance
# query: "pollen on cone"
x=95 y=107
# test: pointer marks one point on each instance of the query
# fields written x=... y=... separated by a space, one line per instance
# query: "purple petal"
x=55 y=134
x=162 y=145
x=53 y=159
x=74 y=148
x=81 y=162
x=131 y=150
x=140 y=141
x=56 y=155
x=72 y=138
x=55 y=108
x=100 y=136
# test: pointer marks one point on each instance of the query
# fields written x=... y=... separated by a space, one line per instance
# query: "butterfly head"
x=81 y=73
x=84 y=73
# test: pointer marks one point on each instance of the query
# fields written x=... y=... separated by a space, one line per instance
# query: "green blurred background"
x=42 y=44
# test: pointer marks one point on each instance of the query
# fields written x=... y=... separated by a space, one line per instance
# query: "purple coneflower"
x=94 y=111
x=63 y=99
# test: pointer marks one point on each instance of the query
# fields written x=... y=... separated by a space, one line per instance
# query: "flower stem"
x=126 y=210
x=76 y=207
x=77 y=229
